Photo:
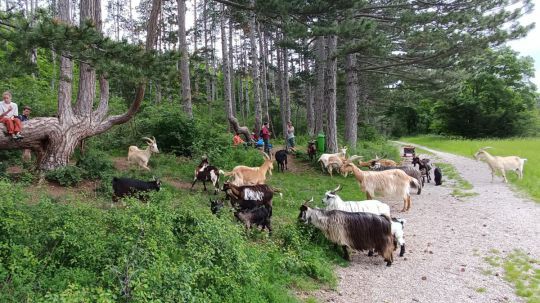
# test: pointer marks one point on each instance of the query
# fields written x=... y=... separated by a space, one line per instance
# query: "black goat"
x=249 y=196
x=424 y=167
x=438 y=176
x=281 y=158
x=259 y=216
x=216 y=206
x=311 y=151
x=132 y=187
x=205 y=172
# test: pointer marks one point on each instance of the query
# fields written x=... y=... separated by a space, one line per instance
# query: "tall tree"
x=309 y=99
x=320 y=68
x=184 y=58
x=255 y=68
x=351 y=102
x=330 y=94
x=227 y=88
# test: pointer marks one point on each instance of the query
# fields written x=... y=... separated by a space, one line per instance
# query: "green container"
x=321 y=138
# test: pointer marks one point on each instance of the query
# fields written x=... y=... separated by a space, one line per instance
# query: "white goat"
x=141 y=156
x=333 y=201
x=324 y=158
x=393 y=182
x=501 y=164
x=245 y=175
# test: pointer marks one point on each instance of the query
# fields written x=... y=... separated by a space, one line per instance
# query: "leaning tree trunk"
x=255 y=69
x=184 y=58
x=330 y=95
x=351 y=111
x=319 y=89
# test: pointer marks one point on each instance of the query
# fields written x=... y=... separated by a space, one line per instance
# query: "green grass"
x=523 y=147
x=522 y=271
x=462 y=188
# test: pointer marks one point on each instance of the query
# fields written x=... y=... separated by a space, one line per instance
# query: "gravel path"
x=447 y=240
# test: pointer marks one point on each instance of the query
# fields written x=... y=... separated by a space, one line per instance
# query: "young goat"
x=244 y=175
x=359 y=231
x=141 y=157
x=438 y=176
x=281 y=159
x=409 y=170
x=311 y=150
x=333 y=201
x=259 y=216
x=205 y=172
x=501 y=164
x=392 y=182
x=131 y=187
x=424 y=167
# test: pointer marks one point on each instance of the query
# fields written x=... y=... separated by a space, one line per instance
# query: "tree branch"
x=236 y=5
x=103 y=106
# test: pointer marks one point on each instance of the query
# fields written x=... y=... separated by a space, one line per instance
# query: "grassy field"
x=523 y=147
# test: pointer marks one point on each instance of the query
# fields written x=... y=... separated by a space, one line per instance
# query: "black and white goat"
x=123 y=187
x=359 y=231
x=409 y=170
x=281 y=158
x=249 y=196
x=424 y=167
x=206 y=172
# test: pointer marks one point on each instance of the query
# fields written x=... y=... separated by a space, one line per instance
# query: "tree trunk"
x=319 y=89
x=184 y=58
x=330 y=95
x=206 y=59
x=308 y=95
x=226 y=70
x=286 y=90
x=264 y=54
x=231 y=67
x=255 y=69
x=351 y=111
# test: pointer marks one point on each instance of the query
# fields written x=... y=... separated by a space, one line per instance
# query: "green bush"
x=95 y=164
x=66 y=176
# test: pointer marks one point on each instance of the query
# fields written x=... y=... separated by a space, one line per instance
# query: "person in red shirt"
x=237 y=140
x=266 y=137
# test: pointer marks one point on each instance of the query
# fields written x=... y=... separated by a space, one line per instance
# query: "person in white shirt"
x=9 y=116
x=290 y=136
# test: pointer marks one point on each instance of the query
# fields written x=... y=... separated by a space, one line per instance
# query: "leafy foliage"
x=66 y=176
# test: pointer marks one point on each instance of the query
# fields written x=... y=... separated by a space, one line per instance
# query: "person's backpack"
x=261 y=133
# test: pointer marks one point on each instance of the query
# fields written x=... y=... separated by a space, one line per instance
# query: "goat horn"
x=147 y=139
x=338 y=188
x=153 y=139
x=266 y=155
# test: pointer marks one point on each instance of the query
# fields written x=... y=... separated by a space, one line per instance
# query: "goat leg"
x=346 y=253
x=204 y=184
x=402 y=250
x=370 y=253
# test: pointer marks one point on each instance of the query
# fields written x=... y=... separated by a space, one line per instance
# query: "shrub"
x=95 y=164
x=65 y=176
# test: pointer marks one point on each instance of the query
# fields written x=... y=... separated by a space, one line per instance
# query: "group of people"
x=9 y=116
x=264 y=134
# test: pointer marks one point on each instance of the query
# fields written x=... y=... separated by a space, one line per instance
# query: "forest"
x=101 y=75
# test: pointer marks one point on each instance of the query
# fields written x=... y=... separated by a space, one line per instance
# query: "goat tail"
x=221 y=172
x=226 y=173
x=413 y=182
x=278 y=190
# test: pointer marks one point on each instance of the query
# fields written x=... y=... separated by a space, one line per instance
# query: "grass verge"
x=522 y=271
x=462 y=188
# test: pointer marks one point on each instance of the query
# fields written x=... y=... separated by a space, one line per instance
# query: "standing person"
x=265 y=133
x=8 y=116
x=290 y=136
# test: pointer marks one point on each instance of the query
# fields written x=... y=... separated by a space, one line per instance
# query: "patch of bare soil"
x=121 y=163
x=293 y=165
x=446 y=242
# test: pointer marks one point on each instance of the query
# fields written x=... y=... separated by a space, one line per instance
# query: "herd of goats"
x=358 y=225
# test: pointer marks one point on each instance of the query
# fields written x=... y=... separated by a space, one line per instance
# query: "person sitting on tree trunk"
x=8 y=116
x=237 y=140
x=25 y=114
